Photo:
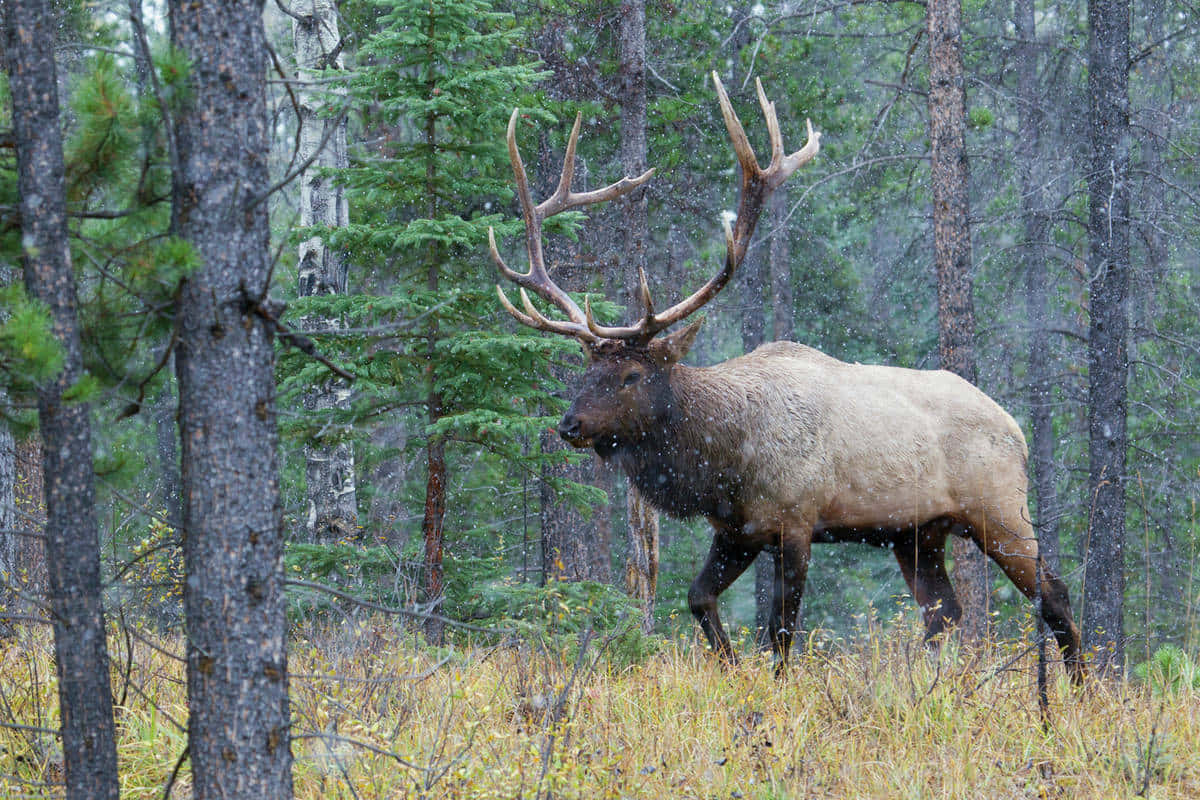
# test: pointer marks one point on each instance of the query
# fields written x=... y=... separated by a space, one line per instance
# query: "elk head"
x=626 y=393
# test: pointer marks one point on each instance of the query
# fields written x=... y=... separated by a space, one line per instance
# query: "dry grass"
x=883 y=718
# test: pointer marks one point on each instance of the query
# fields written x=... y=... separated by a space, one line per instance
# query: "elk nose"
x=569 y=427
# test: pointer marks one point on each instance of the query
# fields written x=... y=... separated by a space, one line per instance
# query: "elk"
x=786 y=446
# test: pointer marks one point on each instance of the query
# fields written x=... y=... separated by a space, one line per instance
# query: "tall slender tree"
x=641 y=572
x=574 y=548
x=71 y=533
x=238 y=722
x=1108 y=327
x=1037 y=282
x=323 y=270
x=952 y=255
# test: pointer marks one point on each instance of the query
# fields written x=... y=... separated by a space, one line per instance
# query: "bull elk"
x=786 y=446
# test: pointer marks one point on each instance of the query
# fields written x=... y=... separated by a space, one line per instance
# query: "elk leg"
x=1017 y=554
x=934 y=590
x=922 y=559
x=791 y=568
x=727 y=559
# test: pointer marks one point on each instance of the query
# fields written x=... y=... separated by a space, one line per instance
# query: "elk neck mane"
x=687 y=462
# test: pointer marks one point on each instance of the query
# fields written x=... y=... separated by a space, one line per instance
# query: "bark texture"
x=433 y=528
x=329 y=467
x=641 y=572
x=30 y=495
x=952 y=256
x=1035 y=219
x=573 y=548
x=1108 y=358
x=236 y=657
x=779 y=254
x=72 y=544
x=783 y=321
x=9 y=539
x=751 y=277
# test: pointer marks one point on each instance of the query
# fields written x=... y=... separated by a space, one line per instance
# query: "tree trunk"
x=750 y=278
x=30 y=496
x=72 y=542
x=1108 y=359
x=573 y=548
x=952 y=257
x=166 y=434
x=9 y=538
x=329 y=466
x=642 y=564
x=433 y=529
x=779 y=253
x=238 y=724
x=1037 y=282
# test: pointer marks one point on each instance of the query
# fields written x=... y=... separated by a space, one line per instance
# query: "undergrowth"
x=379 y=715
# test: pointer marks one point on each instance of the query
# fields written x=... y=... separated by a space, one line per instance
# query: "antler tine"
x=774 y=135
x=645 y=287
x=537 y=279
x=756 y=186
x=535 y=319
x=556 y=202
x=741 y=144
x=801 y=157
x=519 y=175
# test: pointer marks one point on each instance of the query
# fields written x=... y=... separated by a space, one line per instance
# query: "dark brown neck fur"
x=684 y=463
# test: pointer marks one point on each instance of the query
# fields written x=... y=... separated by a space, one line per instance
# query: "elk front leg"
x=791 y=569
x=727 y=559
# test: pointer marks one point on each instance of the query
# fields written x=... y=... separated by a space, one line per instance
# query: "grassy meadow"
x=380 y=716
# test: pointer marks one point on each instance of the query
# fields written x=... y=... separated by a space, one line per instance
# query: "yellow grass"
x=882 y=718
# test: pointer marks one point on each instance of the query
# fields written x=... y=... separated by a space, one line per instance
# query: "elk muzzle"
x=570 y=428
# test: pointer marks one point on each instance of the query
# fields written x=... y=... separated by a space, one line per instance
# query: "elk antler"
x=579 y=323
x=757 y=185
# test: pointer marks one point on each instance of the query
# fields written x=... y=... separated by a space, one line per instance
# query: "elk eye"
x=631 y=379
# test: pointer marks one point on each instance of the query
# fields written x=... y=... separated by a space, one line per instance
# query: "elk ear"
x=671 y=349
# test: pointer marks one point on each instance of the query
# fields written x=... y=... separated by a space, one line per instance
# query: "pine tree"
x=435 y=87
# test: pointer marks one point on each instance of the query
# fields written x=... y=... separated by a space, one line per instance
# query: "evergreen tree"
x=434 y=88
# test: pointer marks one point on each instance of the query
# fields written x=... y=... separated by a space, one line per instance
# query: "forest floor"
x=379 y=716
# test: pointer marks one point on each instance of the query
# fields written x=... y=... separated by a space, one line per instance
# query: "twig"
x=175 y=772
x=399 y=612
x=299 y=341
x=299 y=170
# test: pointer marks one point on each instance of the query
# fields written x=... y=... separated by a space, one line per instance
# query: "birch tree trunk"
x=952 y=257
x=72 y=543
x=1108 y=358
x=329 y=466
x=641 y=573
x=238 y=722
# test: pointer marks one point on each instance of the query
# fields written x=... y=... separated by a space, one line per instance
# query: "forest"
x=295 y=500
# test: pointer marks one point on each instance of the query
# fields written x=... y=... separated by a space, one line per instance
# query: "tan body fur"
x=825 y=444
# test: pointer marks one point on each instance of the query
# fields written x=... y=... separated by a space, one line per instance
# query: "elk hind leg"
x=1013 y=546
x=922 y=559
x=728 y=558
